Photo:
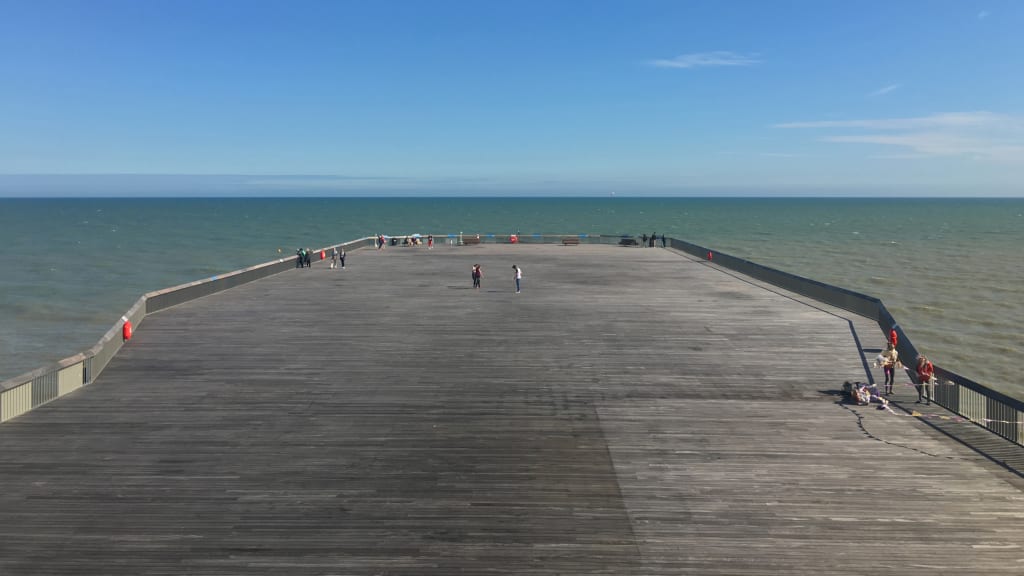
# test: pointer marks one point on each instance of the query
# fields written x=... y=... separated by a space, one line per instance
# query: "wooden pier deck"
x=633 y=411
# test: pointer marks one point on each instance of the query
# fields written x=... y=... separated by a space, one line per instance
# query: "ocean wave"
x=926 y=309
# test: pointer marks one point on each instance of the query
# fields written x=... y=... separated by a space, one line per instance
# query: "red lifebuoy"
x=710 y=256
x=322 y=255
x=126 y=330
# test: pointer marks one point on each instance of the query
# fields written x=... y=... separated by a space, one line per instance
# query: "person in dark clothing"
x=299 y=258
x=651 y=244
x=644 y=238
x=306 y=258
x=662 y=240
x=341 y=257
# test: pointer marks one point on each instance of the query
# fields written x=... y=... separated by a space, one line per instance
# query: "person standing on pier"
x=334 y=258
x=644 y=243
x=662 y=240
x=300 y=258
x=430 y=241
x=890 y=358
x=517 y=274
x=477 y=274
x=341 y=257
x=925 y=376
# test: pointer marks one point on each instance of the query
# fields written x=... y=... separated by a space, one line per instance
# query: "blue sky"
x=535 y=97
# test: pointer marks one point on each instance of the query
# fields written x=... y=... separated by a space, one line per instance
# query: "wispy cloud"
x=983 y=14
x=909 y=156
x=321 y=181
x=981 y=135
x=884 y=90
x=708 y=60
x=945 y=120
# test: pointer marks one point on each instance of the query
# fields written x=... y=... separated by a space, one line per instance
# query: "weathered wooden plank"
x=631 y=412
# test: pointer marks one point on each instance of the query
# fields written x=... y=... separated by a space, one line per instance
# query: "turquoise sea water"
x=948 y=269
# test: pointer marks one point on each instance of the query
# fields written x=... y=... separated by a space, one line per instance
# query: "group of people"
x=649 y=241
x=889 y=360
x=337 y=258
x=863 y=394
x=418 y=240
x=477 y=274
x=304 y=257
x=414 y=240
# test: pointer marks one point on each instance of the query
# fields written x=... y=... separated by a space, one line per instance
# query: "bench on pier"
x=571 y=241
x=470 y=240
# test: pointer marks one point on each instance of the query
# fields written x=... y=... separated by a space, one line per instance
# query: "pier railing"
x=997 y=412
x=33 y=389
x=993 y=410
x=461 y=238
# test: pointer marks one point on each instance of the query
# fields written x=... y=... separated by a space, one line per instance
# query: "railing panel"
x=972 y=404
x=1003 y=420
x=71 y=378
x=15 y=401
x=947 y=394
x=87 y=371
x=1020 y=427
x=44 y=388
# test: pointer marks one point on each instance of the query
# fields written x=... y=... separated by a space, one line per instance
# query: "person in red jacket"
x=925 y=375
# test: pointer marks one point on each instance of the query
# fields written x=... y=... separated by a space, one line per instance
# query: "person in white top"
x=518 y=276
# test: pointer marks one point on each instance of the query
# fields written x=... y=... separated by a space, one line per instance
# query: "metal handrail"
x=1000 y=414
x=32 y=389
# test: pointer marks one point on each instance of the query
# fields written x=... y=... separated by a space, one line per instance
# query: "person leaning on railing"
x=925 y=378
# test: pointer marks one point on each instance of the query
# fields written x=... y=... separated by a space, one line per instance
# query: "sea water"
x=949 y=270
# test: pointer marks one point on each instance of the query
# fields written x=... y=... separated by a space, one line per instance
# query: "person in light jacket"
x=925 y=379
x=890 y=358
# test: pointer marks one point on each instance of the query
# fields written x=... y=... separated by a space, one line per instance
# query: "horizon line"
x=519 y=197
